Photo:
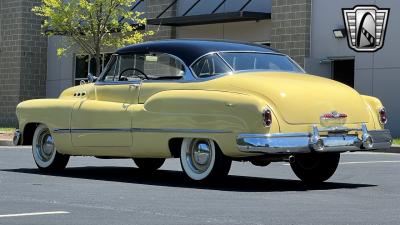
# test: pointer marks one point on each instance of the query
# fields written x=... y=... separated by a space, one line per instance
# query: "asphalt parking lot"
x=364 y=190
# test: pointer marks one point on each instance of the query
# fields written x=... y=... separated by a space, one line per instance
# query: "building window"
x=85 y=64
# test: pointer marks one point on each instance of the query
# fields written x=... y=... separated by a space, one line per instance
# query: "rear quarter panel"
x=374 y=105
x=231 y=113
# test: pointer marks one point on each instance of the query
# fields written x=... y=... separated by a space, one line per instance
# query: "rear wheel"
x=45 y=153
x=149 y=164
x=201 y=159
x=315 y=168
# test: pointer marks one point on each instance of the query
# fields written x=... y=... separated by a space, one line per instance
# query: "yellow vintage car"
x=207 y=103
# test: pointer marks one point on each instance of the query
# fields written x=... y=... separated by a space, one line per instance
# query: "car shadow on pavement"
x=177 y=179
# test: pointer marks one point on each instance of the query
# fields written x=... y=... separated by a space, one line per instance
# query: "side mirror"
x=91 y=78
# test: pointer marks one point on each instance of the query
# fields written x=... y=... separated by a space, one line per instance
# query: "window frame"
x=210 y=54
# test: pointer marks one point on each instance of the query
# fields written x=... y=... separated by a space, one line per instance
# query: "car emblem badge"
x=333 y=115
x=365 y=26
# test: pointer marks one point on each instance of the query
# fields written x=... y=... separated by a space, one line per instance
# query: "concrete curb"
x=6 y=143
x=393 y=149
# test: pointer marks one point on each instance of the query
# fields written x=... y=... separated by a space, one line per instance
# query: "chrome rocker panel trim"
x=338 y=140
x=133 y=130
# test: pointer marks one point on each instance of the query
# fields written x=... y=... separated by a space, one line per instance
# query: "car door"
x=106 y=120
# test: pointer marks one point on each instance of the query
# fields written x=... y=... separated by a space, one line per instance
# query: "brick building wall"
x=291 y=24
x=153 y=9
x=23 y=57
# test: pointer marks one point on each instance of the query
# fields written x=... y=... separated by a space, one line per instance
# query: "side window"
x=158 y=66
x=210 y=65
x=135 y=67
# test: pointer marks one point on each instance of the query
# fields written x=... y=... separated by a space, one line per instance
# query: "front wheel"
x=45 y=153
x=201 y=159
x=315 y=168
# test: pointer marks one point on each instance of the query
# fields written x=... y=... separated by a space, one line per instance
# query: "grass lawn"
x=396 y=141
x=7 y=130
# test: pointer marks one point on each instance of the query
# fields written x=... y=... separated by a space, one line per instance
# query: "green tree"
x=92 y=24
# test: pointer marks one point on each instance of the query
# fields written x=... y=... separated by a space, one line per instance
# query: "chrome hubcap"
x=198 y=155
x=45 y=146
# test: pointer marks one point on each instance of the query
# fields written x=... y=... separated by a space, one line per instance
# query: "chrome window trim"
x=138 y=130
x=107 y=68
x=100 y=83
x=189 y=75
x=237 y=51
x=234 y=71
x=211 y=77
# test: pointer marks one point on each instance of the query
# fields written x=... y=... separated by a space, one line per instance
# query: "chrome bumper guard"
x=334 y=139
x=17 y=138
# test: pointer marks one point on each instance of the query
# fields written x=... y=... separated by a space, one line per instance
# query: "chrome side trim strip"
x=178 y=130
x=138 y=130
x=61 y=131
x=111 y=130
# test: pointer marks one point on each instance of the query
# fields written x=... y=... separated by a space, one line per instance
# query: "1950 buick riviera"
x=207 y=103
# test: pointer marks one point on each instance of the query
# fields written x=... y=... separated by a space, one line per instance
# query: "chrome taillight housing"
x=382 y=115
x=267 y=117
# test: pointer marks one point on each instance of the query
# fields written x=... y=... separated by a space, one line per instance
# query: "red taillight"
x=382 y=116
x=267 y=116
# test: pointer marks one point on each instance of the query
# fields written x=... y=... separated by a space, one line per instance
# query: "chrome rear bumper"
x=336 y=139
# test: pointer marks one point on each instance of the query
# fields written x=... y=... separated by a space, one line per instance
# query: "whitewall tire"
x=44 y=151
x=201 y=159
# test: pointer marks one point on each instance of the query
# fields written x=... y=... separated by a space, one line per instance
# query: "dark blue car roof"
x=188 y=50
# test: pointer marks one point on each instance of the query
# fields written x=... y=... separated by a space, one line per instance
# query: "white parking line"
x=33 y=214
x=15 y=147
x=371 y=153
x=369 y=162
x=361 y=162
